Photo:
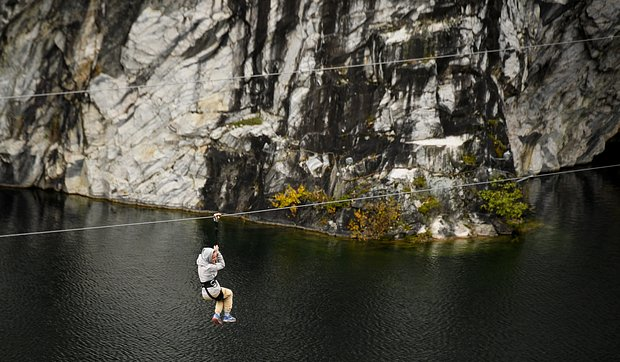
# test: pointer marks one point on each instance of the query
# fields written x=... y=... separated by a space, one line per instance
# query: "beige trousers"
x=226 y=303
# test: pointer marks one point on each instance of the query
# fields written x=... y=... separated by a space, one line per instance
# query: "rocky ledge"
x=222 y=105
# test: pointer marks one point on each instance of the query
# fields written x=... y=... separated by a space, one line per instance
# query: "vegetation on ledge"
x=504 y=199
x=377 y=218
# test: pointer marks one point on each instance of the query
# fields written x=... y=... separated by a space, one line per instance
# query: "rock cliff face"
x=218 y=105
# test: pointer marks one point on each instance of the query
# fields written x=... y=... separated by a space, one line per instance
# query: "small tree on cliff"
x=504 y=199
x=375 y=219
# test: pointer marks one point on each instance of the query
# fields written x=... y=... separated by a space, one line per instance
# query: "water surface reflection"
x=132 y=292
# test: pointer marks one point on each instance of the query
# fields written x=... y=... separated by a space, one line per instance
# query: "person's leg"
x=228 y=300
x=218 y=307
x=228 y=304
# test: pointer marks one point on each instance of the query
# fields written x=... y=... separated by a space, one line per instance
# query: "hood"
x=206 y=254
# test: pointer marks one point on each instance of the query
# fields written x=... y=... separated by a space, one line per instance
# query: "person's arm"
x=216 y=219
x=219 y=264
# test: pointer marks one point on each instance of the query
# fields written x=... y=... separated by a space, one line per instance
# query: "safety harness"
x=209 y=284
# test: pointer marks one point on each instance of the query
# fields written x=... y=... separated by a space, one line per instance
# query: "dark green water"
x=131 y=293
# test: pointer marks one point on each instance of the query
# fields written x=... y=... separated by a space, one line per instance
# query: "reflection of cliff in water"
x=31 y=210
x=571 y=197
x=610 y=155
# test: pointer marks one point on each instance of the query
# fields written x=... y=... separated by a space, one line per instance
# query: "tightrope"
x=237 y=214
x=314 y=70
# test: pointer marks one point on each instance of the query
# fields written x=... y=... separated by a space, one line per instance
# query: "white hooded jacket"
x=207 y=271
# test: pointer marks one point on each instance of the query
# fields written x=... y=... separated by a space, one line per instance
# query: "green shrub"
x=429 y=205
x=372 y=221
x=291 y=197
x=504 y=200
x=469 y=160
x=319 y=196
x=252 y=121
x=498 y=146
x=375 y=220
x=419 y=182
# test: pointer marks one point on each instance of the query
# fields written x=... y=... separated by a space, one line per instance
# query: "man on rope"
x=209 y=262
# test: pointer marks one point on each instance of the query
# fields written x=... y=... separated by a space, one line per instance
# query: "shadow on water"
x=131 y=293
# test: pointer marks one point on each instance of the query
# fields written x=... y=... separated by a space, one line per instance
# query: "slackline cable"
x=314 y=70
x=515 y=179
